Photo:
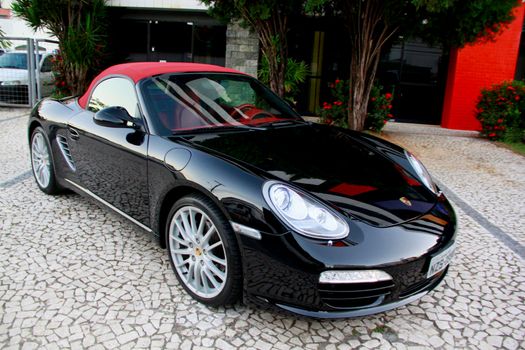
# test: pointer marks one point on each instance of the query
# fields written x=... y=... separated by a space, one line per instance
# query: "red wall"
x=476 y=66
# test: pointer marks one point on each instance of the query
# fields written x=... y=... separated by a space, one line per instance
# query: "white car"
x=14 y=76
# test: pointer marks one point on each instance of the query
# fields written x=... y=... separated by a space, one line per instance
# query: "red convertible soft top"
x=140 y=70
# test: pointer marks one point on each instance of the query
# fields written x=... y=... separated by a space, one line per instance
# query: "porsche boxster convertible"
x=249 y=200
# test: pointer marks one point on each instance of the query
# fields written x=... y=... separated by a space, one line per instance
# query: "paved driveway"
x=74 y=275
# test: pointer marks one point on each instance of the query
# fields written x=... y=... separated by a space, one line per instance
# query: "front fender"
x=235 y=190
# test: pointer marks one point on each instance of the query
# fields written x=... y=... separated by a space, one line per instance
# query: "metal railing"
x=26 y=71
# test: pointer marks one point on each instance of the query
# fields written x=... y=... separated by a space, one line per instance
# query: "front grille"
x=64 y=147
x=421 y=285
x=354 y=295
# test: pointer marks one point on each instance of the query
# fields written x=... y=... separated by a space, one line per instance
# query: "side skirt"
x=110 y=206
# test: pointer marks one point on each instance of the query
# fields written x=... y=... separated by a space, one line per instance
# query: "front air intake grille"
x=423 y=284
x=354 y=295
x=64 y=148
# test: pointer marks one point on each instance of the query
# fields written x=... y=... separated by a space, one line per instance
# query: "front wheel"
x=42 y=162
x=203 y=251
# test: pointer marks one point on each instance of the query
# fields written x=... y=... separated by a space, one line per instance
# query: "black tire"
x=51 y=186
x=232 y=285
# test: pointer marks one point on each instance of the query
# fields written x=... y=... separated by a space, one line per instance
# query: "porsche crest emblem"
x=405 y=201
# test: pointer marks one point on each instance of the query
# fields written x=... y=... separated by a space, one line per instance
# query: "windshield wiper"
x=285 y=122
x=15 y=67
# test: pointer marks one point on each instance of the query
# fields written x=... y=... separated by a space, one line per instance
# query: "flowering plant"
x=501 y=111
x=61 y=89
x=336 y=111
x=379 y=108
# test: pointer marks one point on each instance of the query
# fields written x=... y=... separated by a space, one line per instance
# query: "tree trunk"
x=369 y=32
x=274 y=45
x=75 y=77
x=277 y=69
x=362 y=74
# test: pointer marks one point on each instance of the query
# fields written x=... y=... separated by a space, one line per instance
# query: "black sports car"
x=248 y=198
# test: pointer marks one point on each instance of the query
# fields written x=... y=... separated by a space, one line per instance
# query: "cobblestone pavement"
x=74 y=275
x=14 y=156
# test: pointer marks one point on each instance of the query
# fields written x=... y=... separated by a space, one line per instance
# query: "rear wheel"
x=42 y=162
x=203 y=251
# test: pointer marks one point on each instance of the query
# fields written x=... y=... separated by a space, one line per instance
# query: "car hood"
x=10 y=74
x=369 y=181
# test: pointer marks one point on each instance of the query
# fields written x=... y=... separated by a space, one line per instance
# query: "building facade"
x=178 y=30
x=479 y=66
x=431 y=85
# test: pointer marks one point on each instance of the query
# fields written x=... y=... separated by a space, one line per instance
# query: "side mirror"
x=115 y=117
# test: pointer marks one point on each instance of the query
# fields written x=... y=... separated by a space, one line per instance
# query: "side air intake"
x=64 y=147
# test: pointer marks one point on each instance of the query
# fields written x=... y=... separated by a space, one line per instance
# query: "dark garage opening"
x=172 y=36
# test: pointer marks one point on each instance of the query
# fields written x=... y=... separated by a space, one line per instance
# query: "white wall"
x=16 y=27
x=165 y=4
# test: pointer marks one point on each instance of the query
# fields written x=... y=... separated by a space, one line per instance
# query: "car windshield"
x=179 y=103
x=13 y=60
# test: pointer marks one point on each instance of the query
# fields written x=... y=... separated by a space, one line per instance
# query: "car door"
x=47 y=78
x=111 y=161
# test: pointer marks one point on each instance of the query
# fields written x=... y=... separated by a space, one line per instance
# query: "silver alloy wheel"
x=198 y=252
x=41 y=160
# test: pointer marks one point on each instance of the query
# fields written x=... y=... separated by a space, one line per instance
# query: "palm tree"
x=79 y=25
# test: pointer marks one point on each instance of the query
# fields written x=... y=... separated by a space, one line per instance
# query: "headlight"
x=11 y=82
x=303 y=213
x=421 y=172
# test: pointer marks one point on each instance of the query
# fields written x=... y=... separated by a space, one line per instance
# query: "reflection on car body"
x=250 y=200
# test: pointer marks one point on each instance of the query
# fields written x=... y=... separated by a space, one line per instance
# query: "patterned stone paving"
x=73 y=275
x=14 y=156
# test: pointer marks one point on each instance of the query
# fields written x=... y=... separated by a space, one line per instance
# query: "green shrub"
x=501 y=111
x=296 y=73
x=61 y=89
x=379 y=108
x=336 y=111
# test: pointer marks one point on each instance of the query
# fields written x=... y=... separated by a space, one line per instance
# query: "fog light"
x=356 y=276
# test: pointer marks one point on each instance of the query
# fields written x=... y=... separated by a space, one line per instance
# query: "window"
x=185 y=102
x=47 y=65
x=114 y=92
x=14 y=60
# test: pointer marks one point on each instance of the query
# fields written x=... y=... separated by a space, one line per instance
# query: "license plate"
x=440 y=262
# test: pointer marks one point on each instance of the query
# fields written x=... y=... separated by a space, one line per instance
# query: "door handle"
x=73 y=133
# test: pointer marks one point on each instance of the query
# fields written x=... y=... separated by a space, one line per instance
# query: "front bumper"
x=365 y=311
x=283 y=270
